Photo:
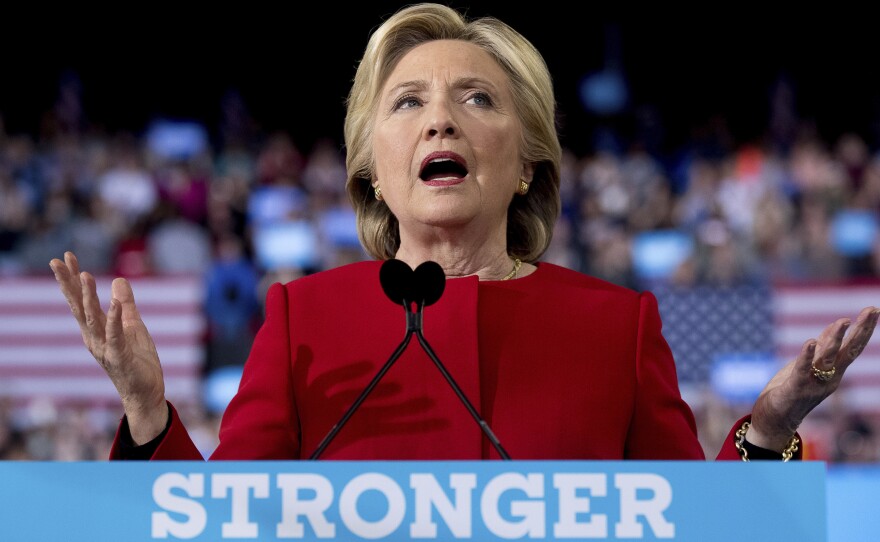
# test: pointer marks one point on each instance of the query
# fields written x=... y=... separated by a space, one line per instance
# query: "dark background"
x=292 y=64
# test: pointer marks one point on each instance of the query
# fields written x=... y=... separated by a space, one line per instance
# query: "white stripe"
x=70 y=356
x=797 y=334
x=850 y=400
x=179 y=390
x=861 y=399
x=868 y=367
x=185 y=291
x=838 y=302
x=868 y=364
x=192 y=324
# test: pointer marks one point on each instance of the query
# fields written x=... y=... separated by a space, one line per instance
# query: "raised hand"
x=120 y=343
x=808 y=380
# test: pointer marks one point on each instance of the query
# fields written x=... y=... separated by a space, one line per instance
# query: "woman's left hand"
x=808 y=379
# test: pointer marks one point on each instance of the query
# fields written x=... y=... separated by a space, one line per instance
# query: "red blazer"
x=561 y=366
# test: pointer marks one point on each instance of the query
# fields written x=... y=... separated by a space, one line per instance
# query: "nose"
x=441 y=120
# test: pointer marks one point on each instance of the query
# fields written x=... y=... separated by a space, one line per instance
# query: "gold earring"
x=378 y=192
x=523 y=188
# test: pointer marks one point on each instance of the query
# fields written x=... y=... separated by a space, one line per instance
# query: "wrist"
x=749 y=450
x=145 y=424
x=775 y=441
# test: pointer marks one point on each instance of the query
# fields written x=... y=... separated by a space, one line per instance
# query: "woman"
x=453 y=157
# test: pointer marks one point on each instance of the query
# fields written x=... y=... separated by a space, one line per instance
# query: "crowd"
x=245 y=208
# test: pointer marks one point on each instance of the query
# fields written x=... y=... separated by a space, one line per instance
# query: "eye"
x=407 y=101
x=480 y=99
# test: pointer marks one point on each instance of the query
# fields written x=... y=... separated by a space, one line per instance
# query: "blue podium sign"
x=413 y=500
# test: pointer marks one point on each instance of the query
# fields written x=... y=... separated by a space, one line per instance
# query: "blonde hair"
x=530 y=218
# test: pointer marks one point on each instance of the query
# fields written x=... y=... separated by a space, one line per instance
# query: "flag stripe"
x=13 y=372
x=178 y=324
x=52 y=356
x=178 y=290
x=69 y=339
x=54 y=309
x=828 y=300
x=803 y=312
x=42 y=352
x=182 y=390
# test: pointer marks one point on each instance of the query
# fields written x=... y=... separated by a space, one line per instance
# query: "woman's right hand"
x=120 y=342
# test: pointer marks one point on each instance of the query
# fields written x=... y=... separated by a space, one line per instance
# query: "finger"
x=122 y=292
x=113 y=331
x=62 y=269
x=829 y=344
x=805 y=358
x=72 y=263
x=858 y=337
x=94 y=315
x=62 y=275
x=71 y=288
x=58 y=268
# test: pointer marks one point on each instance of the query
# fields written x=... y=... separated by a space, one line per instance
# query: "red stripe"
x=54 y=309
x=69 y=403
x=79 y=371
x=41 y=280
x=103 y=402
x=789 y=352
x=811 y=319
x=812 y=286
x=71 y=339
x=863 y=381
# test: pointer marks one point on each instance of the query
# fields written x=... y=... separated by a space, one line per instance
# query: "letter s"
x=194 y=486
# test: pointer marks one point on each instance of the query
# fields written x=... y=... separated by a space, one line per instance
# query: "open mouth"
x=443 y=169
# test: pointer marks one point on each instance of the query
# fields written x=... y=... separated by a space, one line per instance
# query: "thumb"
x=121 y=291
x=114 y=331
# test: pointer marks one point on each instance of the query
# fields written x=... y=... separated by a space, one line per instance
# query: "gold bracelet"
x=740 y=437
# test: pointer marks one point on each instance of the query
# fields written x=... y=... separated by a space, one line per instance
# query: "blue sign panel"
x=413 y=500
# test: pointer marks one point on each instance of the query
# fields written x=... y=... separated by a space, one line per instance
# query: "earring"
x=378 y=192
x=523 y=188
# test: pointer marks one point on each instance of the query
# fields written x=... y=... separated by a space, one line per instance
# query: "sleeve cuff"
x=758 y=453
x=128 y=451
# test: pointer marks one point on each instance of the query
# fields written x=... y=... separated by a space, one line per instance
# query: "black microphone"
x=398 y=281
x=422 y=287
x=430 y=281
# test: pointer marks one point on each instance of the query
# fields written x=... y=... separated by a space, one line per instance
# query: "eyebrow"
x=461 y=82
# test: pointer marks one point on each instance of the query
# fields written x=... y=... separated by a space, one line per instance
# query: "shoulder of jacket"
x=564 y=277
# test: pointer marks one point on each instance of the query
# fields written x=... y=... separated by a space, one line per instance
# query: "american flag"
x=706 y=324
x=802 y=312
x=42 y=354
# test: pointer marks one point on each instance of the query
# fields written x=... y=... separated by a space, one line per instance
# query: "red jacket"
x=561 y=366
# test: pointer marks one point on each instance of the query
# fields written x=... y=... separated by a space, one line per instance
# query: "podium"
x=413 y=500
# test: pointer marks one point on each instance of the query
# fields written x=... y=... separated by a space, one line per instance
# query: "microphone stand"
x=413 y=325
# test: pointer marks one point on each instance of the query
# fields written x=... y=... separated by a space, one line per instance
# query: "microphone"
x=402 y=285
x=431 y=281
x=421 y=287
x=397 y=279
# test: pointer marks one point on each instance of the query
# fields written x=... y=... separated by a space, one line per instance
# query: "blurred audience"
x=250 y=208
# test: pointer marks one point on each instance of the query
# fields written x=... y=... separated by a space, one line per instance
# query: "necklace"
x=516 y=265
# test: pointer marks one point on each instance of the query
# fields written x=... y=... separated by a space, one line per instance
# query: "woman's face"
x=447 y=140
